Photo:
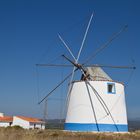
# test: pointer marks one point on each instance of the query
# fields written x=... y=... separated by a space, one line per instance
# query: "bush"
x=17 y=127
x=13 y=128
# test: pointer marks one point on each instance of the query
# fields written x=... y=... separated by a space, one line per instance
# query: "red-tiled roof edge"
x=6 y=119
x=31 y=119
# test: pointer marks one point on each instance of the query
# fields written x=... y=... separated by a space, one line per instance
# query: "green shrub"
x=17 y=127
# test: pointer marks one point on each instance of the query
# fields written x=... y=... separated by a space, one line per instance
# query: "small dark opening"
x=110 y=87
x=34 y=126
x=10 y=123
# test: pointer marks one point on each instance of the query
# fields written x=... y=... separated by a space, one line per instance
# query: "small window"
x=111 y=88
x=10 y=123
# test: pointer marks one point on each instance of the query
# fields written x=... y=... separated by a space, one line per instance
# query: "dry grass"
x=16 y=133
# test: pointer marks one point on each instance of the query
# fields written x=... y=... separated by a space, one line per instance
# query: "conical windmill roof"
x=97 y=73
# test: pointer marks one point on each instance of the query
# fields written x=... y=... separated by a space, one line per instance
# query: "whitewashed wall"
x=27 y=125
x=1 y=114
x=37 y=125
x=80 y=110
x=4 y=124
x=20 y=122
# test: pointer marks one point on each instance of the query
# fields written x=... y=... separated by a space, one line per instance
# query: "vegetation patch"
x=17 y=133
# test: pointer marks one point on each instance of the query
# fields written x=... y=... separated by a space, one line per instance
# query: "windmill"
x=95 y=102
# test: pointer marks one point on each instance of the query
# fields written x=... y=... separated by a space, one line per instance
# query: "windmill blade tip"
x=92 y=13
x=126 y=26
x=134 y=68
x=58 y=35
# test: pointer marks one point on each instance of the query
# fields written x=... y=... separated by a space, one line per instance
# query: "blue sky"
x=28 y=35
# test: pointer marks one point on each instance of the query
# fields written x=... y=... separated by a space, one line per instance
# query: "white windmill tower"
x=95 y=102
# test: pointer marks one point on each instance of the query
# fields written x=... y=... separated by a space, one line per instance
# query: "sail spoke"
x=56 y=87
x=111 y=66
x=113 y=37
x=54 y=65
x=69 y=50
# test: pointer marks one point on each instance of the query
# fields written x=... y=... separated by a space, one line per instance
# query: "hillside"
x=134 y=125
